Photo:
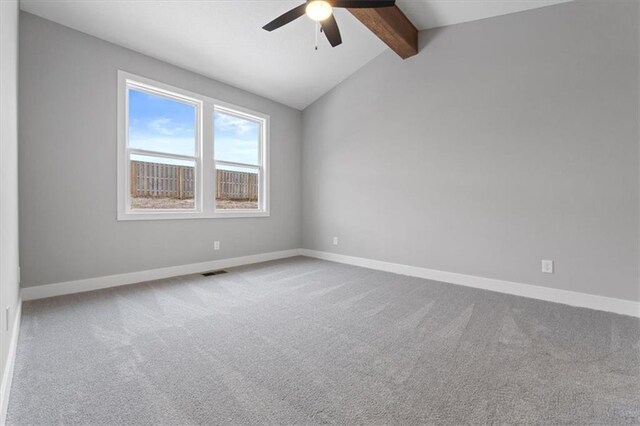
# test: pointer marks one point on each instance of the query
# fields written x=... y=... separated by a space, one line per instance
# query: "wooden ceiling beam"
x=391 y=26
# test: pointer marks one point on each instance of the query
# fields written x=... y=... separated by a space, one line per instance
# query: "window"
x=237 y=141
x=162 y=150
x=174 y=164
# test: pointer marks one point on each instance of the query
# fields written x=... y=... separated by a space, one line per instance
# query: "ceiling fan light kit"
x=318 y=10
x=321 y=11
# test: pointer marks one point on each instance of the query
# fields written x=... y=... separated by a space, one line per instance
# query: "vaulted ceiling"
x=223 y=39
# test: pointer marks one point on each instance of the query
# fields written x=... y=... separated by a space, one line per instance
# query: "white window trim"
x=205 y=162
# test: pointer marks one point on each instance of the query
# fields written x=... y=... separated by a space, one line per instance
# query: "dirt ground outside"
x=236 y=205
x=174 y=203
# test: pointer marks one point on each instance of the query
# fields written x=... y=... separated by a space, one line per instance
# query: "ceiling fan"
x=321 y=11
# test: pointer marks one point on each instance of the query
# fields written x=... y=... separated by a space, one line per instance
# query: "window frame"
x=205 y=169
x=259 y=166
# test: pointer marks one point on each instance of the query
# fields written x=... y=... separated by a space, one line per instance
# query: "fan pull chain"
x=317 y=31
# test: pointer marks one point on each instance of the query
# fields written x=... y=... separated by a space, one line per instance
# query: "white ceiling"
x=224 y=40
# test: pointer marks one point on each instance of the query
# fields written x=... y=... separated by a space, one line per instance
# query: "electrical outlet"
x=547 y=266
x=335 y=241
x=216 y=245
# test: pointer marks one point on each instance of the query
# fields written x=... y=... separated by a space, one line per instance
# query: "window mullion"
x=208 y=162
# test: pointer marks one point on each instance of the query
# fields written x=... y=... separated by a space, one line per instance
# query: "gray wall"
x=505 y=141
x=9 y=279
x=68 y=227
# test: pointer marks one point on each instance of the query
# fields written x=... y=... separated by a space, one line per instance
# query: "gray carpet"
x=304 y=341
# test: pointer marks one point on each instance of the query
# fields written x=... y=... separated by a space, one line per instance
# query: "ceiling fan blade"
x=362 y=4
x=285 y=18
x=330 y=29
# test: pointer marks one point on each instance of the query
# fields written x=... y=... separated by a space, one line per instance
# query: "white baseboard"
x=583 y=300
x=78 y=286
x=7 y=377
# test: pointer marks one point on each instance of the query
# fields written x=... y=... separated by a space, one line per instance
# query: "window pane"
x=161 y=183
x=237 y=188
x=158 y=123
x=236 y=139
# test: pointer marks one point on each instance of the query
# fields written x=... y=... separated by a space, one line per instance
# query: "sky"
x=164 y=125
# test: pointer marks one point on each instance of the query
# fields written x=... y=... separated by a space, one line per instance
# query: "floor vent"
x=208 y=274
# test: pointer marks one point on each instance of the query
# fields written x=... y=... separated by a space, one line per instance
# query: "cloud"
x=166 y=126
x=234 y=124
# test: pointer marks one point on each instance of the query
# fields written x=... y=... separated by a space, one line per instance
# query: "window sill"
x=172 y=215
